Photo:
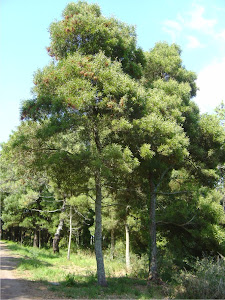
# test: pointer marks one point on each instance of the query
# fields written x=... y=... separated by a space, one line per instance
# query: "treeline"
x=112 y=148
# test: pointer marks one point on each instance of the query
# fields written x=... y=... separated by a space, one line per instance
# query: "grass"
x=76 y=278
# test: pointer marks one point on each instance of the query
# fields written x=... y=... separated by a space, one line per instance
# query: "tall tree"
x=84 y=29
x=172 y=134
x=81 y=96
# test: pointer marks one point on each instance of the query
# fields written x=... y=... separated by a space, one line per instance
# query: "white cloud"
x=196 y=20
x=173 y=25
x=221 y=35
x=189 y=22
x=193 y=42
x=212 y=86
x=173 y=28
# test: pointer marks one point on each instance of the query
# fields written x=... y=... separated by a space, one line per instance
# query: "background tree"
x=27 y=192
x=171 y=133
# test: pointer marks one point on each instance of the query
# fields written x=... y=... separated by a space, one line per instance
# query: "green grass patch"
x=31 y=263
x=76 y=278
x=75 y=286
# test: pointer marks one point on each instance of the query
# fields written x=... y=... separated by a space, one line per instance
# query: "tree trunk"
x=21 y=237
x=57 y=237
x=98 y=217
x=57 y=234
x=98 y=232
x=153 y=271
x=70 y=234
x=127 y=248
x=78 y=238
x=112 y=243
x=35 y=242
x=39 y=243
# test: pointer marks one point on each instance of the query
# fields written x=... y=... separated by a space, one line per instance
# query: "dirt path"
x=15 y=288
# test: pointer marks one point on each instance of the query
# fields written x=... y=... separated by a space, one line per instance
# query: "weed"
x=70 y=280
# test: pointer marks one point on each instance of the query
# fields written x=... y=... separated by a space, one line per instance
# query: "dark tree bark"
x=21 y=237
x=13 y=235
x=55 y=244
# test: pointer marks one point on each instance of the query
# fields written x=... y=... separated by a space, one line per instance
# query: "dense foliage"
x=111 y=148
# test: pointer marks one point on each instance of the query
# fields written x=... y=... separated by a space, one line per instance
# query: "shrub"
x=207 y=281
x=70 y=280
x=139 y=266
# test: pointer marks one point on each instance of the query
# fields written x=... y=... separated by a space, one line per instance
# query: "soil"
x=15 y=288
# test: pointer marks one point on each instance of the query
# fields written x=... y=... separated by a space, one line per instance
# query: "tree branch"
x=179 y=225
x=161 y=179
x=48 y=211
x=173 y=193
x=80 y=214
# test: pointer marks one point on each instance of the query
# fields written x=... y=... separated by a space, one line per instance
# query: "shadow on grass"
x=28 y=263
x=34 y=251
x=76 y=286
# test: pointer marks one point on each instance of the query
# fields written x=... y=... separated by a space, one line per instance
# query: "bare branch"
x=48 y=211
x=80 y=214
x=179 y=225
x=161 y=179
x=173 y=193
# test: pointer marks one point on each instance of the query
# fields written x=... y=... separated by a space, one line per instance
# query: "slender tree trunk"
x=39 y=243
x=35 y=242
x=78 y=238
x=21 y=237
x=98 y=231
x=57 y=234
x=98 y=217
x=112 y=243
x=153 y=270
x=70 y=234
x=127 y=247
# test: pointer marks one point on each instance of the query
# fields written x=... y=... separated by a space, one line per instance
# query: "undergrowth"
x=205 y=281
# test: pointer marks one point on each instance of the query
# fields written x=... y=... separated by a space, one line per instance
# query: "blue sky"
x=197 y=26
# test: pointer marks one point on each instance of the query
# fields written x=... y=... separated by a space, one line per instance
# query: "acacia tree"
x=106 y=117
x=84 y=29
x=81 y=95
x=172 y=134
x=84 y=100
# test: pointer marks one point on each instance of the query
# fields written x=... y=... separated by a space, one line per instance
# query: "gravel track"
x=12 y=286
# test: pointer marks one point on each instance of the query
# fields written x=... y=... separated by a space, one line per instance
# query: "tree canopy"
x=112 y=133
